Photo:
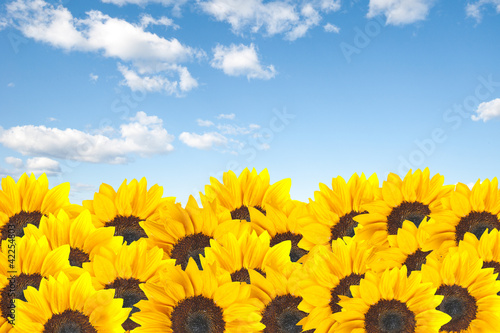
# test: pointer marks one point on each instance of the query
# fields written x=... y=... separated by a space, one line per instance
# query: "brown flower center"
x=77 y=257
x=493 y=264
x=129 y=290
x=296 y=252
x=191 y=246
x=281 y=315
x=128 y=227
x=15 y=290
x=411 y=211
x=69 y=321
x=242 y=213
x=415 y=260
x=18 y=222
x=343 y=288
x=197 y=314
x=242 y=275
x=476 y=223
x=389 y=316
x=345 y=226
x=459 y=304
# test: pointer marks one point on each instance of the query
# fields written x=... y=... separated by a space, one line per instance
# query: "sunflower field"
x=410 y=255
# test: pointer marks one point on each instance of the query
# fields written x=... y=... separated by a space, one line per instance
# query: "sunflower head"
x=126 y=207
x=26 y=201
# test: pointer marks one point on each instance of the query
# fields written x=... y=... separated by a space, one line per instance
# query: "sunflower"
x=470 y=291
x=124 y=271
x=405 y=248
x=125 y=208
x=250 y=190
x=184 y=233
x=282 y=227
x=414 y=199
x=33 y=260
x=391 y=302
x=64 y=306
x=82 y=236
x=333 y=209
x=278 y=293
x=472 y=211
x=487 y=248
x=194 y=300
x=26 y=201
x=235 y=256
x=329 y=275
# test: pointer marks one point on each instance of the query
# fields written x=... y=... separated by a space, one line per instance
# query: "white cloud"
x=39 y=165
x=176 y=4
x=147 y=20
x=93 y=77
x=11 y=85
x=241 y=60
x=143 y=135
x=331 y=28
x=204 y=123
x=474 y=9
x=14 y=161
x=273 y=17
x=230 y=116
x=399 y=12
x=112 y=37
x=204 y=141
x=52 y=119
x=487 y=110
x=236 y=130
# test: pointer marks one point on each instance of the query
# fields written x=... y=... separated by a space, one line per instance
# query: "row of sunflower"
x=412 y=255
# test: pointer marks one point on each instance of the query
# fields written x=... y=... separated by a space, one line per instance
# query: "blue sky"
x=180 y=91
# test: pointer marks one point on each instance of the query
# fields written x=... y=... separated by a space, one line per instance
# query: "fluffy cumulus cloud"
x=143 y=135
x=487 y=110
x=399 y=12
x=475 y=9
x=203 y=141
x=112 y=37
x=36 y=165
x=331 y=28
x=290 y=18
x=241 y=60
x=204 y=123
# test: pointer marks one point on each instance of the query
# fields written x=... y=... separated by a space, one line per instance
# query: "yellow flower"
x=196 y=301
x=250 y=190
x=329 y=275
x=235 y=256
x=283 y=226
x=333 y=210
x=278 y=293
x=82 y=236
x=125 y=208
x=63 y=306
x=391 y=302
x=470 y=291
x=405 y=248
x=29 y=261
x=184 y=233
x=414 y=199
x=26 y=201
x=124 y=271
x=472 y=211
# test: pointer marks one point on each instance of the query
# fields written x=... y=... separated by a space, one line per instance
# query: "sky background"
x=97 y=92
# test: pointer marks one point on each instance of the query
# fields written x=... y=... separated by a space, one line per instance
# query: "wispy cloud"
x=143 y=135
x=487 y=110
x=109 y=36
x=241 y=60
x=204 y=123
x=291 y=19
x=400 y=12
x=93 y=77
x=204 y=141
x=11 y=85
x=331 y=28
x=230 y=116
x=475 y=9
